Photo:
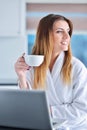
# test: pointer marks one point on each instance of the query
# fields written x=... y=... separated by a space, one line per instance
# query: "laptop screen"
x=24 y=109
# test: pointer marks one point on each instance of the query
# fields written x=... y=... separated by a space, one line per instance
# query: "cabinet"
x=12 y=17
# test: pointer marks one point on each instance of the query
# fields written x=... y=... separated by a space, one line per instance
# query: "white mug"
x=34 y=60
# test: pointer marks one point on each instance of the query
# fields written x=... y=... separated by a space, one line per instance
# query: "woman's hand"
x=21 y=67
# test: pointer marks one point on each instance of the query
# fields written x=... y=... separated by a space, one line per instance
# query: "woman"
x=62 y=76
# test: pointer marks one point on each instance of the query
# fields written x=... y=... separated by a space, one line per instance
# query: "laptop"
x=25 y=109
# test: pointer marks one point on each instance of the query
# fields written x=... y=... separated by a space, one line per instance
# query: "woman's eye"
x=59 y=31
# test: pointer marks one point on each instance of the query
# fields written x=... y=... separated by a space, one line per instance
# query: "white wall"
x=10 y=49
x=56 y=1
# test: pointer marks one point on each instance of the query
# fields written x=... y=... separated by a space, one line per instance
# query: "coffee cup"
x=34 y=60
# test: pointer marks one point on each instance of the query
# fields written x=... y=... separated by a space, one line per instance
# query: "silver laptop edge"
x=24 y=109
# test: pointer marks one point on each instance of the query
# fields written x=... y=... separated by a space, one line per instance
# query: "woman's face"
x=61 y=36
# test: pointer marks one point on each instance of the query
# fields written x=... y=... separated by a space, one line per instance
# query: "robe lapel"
x=51 y=90
x=57 y=67
x=52 y=77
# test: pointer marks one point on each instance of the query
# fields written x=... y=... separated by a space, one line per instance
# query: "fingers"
x=21 y=64
x=21 y=59
x=23 y=55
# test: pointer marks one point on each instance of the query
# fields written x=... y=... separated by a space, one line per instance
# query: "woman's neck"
x=53 y=59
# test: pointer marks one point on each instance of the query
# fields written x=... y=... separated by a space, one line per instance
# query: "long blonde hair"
x=44 y=46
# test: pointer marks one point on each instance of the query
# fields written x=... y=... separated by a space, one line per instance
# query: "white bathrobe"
x=67 y=101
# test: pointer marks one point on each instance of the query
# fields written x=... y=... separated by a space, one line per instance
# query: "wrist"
x=23 y=83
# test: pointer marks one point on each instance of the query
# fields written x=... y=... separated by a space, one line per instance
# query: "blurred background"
x=18 y=25
x=76 y=12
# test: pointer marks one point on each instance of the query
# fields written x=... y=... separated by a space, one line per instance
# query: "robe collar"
x=58 y=65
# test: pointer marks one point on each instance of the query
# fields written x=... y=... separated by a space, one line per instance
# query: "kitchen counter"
x=9 y=87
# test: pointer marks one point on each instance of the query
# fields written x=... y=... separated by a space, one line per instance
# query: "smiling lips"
x=64 y=43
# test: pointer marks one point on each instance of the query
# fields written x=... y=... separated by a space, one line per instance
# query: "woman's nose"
x=66 y=35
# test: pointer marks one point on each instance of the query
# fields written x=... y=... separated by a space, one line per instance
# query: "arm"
x=21 y=68
x=75 y=111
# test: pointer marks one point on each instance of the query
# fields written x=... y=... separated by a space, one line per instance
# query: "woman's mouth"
x=64 y=43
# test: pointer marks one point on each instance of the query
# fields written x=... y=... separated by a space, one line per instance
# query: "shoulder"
x=79 y=74
x=78 y=66
x=76 y=61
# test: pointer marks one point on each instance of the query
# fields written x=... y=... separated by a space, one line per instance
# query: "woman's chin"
x=65 y=48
